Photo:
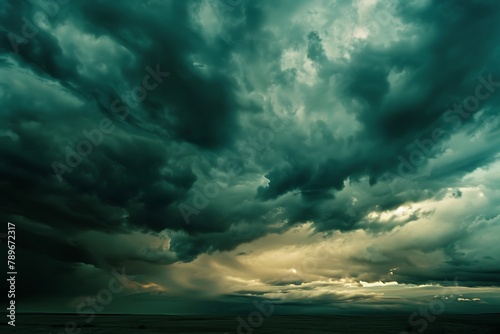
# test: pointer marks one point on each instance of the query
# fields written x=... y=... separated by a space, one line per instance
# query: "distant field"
x=124 y=324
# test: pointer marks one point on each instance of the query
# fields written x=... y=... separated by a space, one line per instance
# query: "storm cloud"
x=210 y=147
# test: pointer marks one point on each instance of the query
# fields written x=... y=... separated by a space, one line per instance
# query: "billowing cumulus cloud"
x=334 y=152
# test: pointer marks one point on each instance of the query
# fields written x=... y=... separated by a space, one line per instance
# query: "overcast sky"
x=330 y=156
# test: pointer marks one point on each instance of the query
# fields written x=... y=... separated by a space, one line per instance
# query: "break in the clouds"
x=331 y=156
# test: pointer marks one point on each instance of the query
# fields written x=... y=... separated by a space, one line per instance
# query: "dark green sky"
x=331 y=156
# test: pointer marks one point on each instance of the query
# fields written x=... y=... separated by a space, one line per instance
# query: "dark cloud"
x=288 y=113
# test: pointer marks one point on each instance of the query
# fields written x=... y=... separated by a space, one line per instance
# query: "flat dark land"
x=124 y=324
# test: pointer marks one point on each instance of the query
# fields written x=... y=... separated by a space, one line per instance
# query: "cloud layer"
x=216 y=149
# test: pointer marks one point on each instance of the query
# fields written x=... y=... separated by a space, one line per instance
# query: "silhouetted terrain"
x=124 y=324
